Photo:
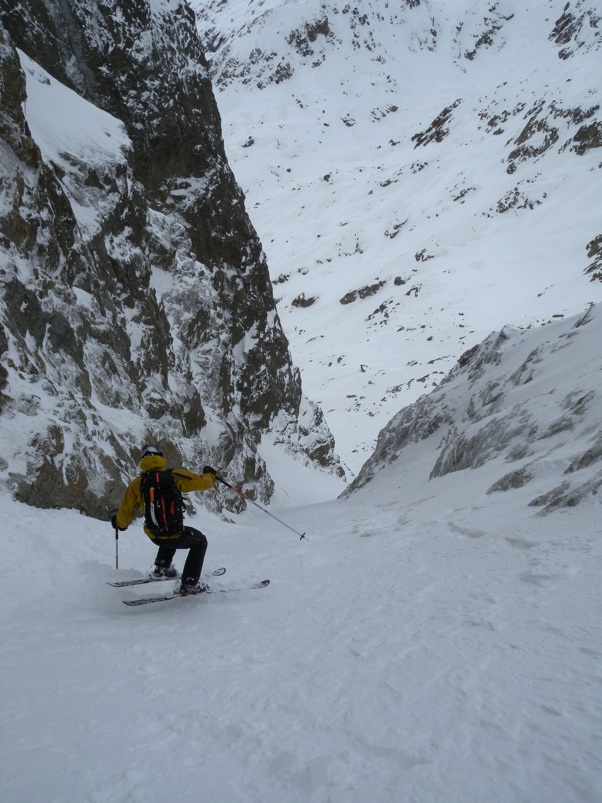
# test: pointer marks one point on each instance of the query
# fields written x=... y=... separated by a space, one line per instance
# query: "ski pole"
x=244 y=496
x=116 y=548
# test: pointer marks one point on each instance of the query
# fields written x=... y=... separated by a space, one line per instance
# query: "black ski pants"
x=191 y=539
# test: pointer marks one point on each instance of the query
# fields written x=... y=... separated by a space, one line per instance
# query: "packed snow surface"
x=427 y=641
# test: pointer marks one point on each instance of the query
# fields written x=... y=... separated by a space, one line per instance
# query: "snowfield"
x=395 y=243
x=428 y=641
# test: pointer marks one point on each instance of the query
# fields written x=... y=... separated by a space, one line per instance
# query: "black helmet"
x=152 y=448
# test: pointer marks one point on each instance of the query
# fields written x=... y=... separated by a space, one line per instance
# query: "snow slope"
x=530 y=399
x=91 y=137
x=443 y=232
x=428 y=641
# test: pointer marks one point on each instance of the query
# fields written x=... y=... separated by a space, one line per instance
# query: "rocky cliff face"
x=528 y=400
x=136 y=302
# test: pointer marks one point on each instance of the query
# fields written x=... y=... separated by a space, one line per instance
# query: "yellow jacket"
x=132 y=499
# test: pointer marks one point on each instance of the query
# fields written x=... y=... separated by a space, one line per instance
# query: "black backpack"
x=163 y=503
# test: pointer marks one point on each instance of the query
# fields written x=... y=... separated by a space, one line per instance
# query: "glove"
x=114 y=523
x=209 y=470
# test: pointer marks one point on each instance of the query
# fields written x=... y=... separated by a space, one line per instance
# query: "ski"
x=144 y=580
x=260 y=584
x=134 y=603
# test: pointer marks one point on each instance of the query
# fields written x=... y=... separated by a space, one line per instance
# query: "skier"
x=162 y=486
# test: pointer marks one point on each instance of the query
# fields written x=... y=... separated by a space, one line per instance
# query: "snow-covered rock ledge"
x=531 y=399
